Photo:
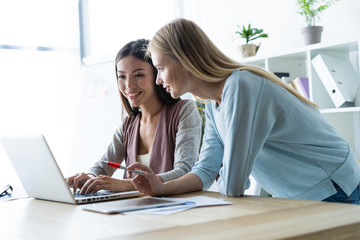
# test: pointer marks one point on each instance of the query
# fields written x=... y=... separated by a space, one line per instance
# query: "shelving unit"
x=298 y=63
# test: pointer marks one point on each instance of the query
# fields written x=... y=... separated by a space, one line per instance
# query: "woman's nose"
x=130 y=82
x=158 y=80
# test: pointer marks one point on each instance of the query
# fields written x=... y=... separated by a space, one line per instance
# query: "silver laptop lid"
x=40 y=175
x=36 y=168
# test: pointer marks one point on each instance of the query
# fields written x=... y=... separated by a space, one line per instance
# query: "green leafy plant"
x=311 y=9
x=250 y=34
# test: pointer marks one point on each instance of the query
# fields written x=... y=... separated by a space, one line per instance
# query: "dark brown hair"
x=138 y=50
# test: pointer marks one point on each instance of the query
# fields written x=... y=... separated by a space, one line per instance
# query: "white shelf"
x=340 y=110
x=297 y=62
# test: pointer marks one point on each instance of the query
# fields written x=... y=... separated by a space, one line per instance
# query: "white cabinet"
x=298 y=64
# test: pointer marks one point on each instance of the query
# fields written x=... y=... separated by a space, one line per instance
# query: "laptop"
x=41 y=176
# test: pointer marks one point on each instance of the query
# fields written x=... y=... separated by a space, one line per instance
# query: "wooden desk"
x=247 y=218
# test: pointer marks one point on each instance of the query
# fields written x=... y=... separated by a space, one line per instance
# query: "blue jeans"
x=341 y=196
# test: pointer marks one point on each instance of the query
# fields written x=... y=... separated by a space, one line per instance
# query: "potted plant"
x=311 y=9
x=249 y=34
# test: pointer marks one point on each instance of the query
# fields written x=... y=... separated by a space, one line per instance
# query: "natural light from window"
x=110 y=24
x=42 y=77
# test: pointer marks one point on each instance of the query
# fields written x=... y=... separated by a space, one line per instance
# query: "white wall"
x=278 y=18
x=98 y=115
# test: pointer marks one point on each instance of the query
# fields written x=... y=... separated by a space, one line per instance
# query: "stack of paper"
x=193 y=202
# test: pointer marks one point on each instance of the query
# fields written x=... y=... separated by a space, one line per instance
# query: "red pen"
x=116 y=165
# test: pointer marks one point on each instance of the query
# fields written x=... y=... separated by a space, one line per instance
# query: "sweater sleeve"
x=187 y=142
x=114 y=153
x=207 y=168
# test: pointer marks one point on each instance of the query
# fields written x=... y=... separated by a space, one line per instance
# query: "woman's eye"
x=121 y=77
x=139 y=75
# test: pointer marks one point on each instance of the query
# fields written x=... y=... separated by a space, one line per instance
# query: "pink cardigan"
x=162 y=155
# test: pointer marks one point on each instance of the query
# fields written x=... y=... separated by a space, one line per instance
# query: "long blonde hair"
x=184 y=41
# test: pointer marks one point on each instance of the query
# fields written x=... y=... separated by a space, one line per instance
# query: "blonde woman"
x=254 y=125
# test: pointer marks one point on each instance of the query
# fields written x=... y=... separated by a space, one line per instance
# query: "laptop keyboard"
x=78 y=195
x=100 y=195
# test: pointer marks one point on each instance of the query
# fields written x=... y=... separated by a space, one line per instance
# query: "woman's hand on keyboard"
x=103 y=182
x=78 y=180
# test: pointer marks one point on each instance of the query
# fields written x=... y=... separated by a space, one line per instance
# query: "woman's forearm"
x=150 y=184
x=187 y=183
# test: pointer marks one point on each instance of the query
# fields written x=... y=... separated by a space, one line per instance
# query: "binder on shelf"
x=282 y=74
x=338 y=77
x=301 y=85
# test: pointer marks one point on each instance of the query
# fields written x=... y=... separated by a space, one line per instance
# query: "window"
x=40 y=73
x=107 y=25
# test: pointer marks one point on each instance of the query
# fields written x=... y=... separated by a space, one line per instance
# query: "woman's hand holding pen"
x=149 y=183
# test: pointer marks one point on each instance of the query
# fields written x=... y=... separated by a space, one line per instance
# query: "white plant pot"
x=248 y=50
x=312 y=34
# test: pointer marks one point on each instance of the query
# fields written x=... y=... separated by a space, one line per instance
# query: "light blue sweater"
x=286 y=144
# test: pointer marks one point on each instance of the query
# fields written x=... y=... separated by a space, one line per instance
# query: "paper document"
x=192 y=202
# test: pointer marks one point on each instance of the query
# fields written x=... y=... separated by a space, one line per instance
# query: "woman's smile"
x=133 y=95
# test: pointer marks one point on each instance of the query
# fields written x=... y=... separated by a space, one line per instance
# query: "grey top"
x=186 y=149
